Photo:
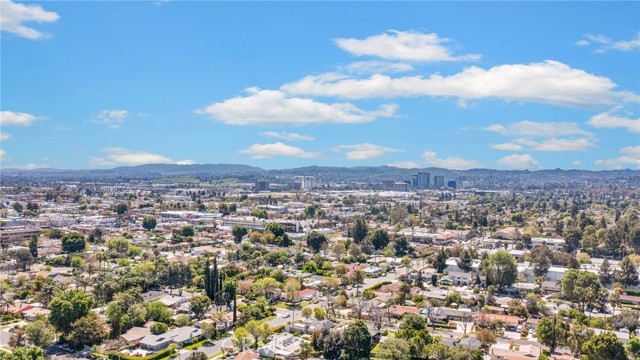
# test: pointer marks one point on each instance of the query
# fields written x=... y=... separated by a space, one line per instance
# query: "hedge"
x=378 y=285
x=159 y=355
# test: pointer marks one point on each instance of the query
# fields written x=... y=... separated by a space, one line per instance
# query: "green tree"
x=40 y=333
x=24 y=259
x=187 y=230
x=67 y=307
x=121 y=208
x=118 y=245
x=238 y=232
x=33 y=246
x=159 y=328
x=197 y=355
x=605 y=346
x=356 y=341
x=605 y=275
x=276 y=229
x=176 y=276
x=580 y=287
x=401 y=246
x=23 y=353
x=315 y=240
x=87 y=331
x=633 y=347
x=394 y=349
x=572 y=236
x=628 y=274
x=551 y=332
x=73 y=242
x=158 y=311
x=502 y=269
x=439 y=260
x=359 y=229
x=379 y=238
x=465 y=260
x=149 y=222
x=200 y=304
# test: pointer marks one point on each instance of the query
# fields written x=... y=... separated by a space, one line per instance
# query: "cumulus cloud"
x=450 y=162
x=287 y=136
x=515 y=161
x=365 y=151
x=405 y=165
x=119 y=156
x=377 y=66
x=269 y=107
x=544 y=82
x=538 y=129
x=603 y=43
x=609 y=119
x=267 y=151
x=14 y=15
x=4 y=136
x=403 y=45
x=630 y=157
x=8 y=118
x=506 y=147
x=111 y=118
x=562 y=144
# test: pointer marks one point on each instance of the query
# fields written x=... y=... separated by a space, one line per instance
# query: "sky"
x=458 y=85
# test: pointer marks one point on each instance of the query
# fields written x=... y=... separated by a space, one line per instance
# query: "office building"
x=401 y=186
x=438 y=181
x=306 y=182
x=423 y=180
x=261 y=185
x=451 y=184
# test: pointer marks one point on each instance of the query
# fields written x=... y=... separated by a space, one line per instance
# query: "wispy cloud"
x=630 y=157
x=515 y=161
x=365 y=151
x=118 y=156
x=4 y=136
x=14 y=16
x=269 y=107
x=111 y=118
x=450 y=162
x=405 y=46
x=603 y=44
x=405 y=165
x=538 y=129
x=267 y=151
x=287 y=136
x=610 y=119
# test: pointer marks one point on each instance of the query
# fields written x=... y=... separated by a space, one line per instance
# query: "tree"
x=540 y=258
x=581 y=287
x=87 y=331
x=292 y=289
x=359 y=229
x=633 y=347
x=502 y=269
x=306 y=312
x=628 y=274
x=187 y=230
x=242 y=339
x=238 y=232
x=40 y=333
x=18 y=337
x=401 y=246
x=486 y=337
x=576 y=338
x=394 y=349
x=605 y=275
x=551 y=332
x=200 y=304
x=197 y=355
x=276 y=229
x=306 y=350
x=33 y=246
x=315 y=241
x=465 y=260
x=121 y=208
x=379 y=238
x=24 y=259
x=439 y=261
x=176 y=276
x=572 y=236
x=159 y=328
x=18 y=207
x=356 y=341
x=67 y=307
x=73 y=242
x=149 y=222
x=118 y=245
x=158 y=311
x=23 y=353
x=605 y=346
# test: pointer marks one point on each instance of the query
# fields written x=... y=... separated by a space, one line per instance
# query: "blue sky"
x=458 y=85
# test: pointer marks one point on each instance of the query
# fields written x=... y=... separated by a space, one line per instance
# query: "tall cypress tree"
x=207 y=278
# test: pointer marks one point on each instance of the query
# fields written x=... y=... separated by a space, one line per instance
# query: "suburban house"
x=176 y=336
x=282 y=345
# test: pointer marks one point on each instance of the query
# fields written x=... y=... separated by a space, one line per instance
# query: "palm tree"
x=577 y=337
x=306 y=350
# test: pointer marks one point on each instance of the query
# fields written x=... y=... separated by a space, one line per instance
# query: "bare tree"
x=376 y=315
x=466 y=319
x=434 y=314
x=358 y=304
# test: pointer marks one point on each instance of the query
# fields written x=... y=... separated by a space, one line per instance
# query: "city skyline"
x=283 y=85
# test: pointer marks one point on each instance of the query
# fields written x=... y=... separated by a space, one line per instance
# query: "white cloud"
x=3 y=155
x=576 y=162
x=119 y=156
x=287 y=136
x=8 y=118
x=450 y=162
x=267 y=151
x=538 y=129
x=545 y=82
x=516 y=161
x=610 y=120
x=31 y=166
x=4 y=136
x=185 y=162
x=268 y=107
x=562 y=144
x=630 y=157
x=405 y=165
x=403 y=45
x=365 y=151
x=604 y=43
x=13 y=16
x=112 y=118
x=377 y=66
x=506 y=147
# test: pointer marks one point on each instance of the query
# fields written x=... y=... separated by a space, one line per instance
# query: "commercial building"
x=261 y=185
x=438 y=181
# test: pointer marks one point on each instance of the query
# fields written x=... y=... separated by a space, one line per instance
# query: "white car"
x=286 y=315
